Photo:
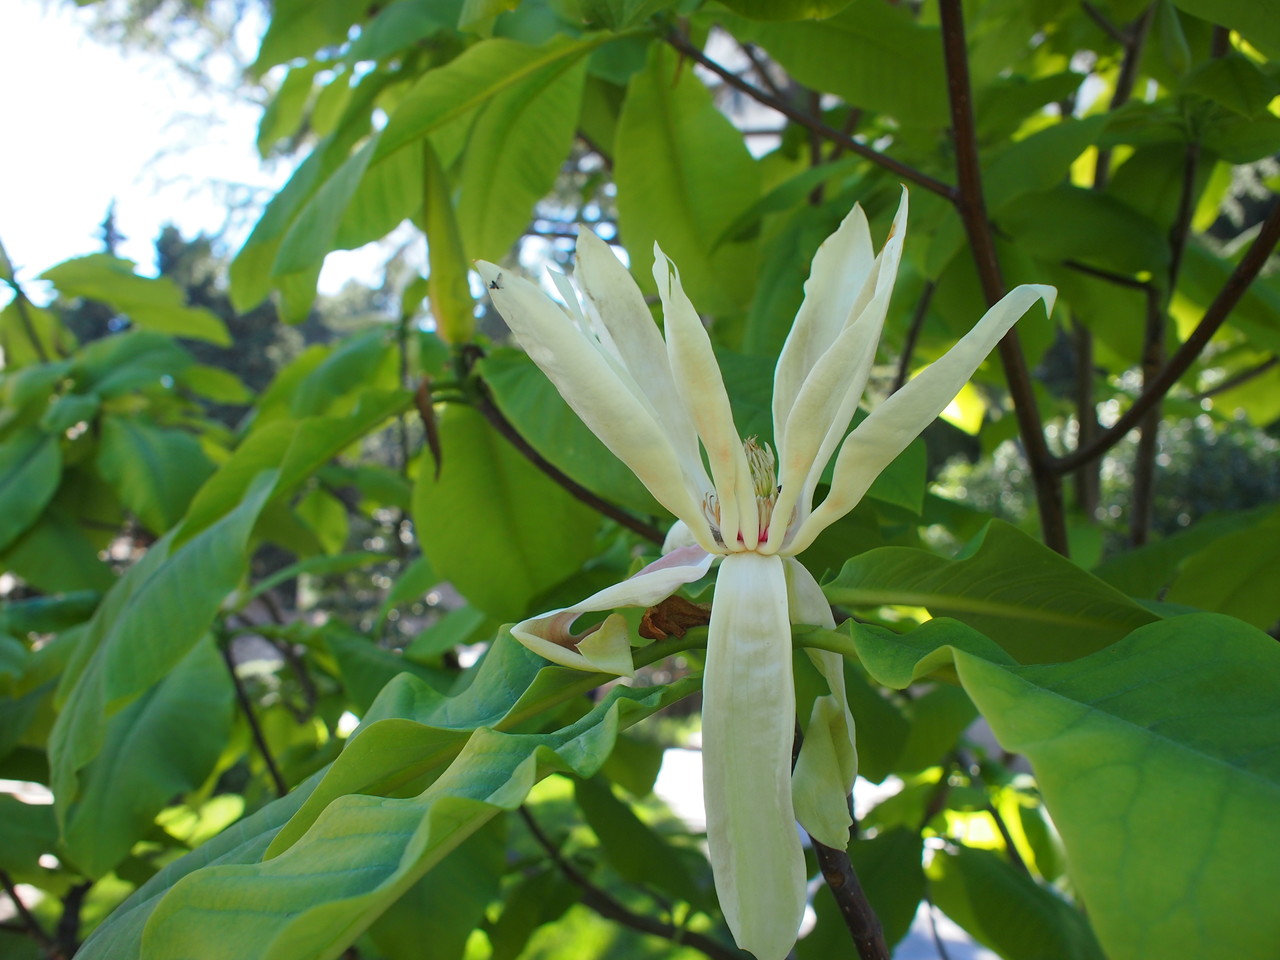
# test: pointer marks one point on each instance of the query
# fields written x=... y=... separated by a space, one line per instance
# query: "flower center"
x=764 y=480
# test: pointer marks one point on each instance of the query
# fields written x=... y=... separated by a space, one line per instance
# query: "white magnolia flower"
x=661 y=407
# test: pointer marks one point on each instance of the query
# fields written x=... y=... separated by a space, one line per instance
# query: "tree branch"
x=1244 y=376
x=1227 y=299
x=681 y=43
x=859 y=916
x=972 y=209
x=913 y=334
x=611 y=909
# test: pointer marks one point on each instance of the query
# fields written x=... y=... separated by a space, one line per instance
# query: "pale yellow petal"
x=748 y=723
x=701 y=388
x=876 y=441
x=606 y=402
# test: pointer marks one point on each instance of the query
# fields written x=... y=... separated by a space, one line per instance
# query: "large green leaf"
x=1258 y=20
x=145 y=626
x=1036 y=604
x=364 y=852
x=493 y=524
x=786 y=9
x=872 y=54
x=154 y=470
x=1156 y=759
x=684 y=175
x=151 y=303
x=30 y=465
x=151 y=753
x=129 y=361
x=514 y=154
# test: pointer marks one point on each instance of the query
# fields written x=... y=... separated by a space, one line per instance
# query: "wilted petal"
x=701 y=387
x=607 y=648
x=748 y=723
x=876 y=441
x=828 y=761
x=610 y=405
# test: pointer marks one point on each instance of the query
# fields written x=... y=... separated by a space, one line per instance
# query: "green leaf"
x=855 y=53
x=1168 y=733
x=1004 y=909
x=30 y=467
x=151 y=752
x=535 y=408
x=684 y=175
x=125 y=362
x=938 y=717
x=364 y=852
x=54 y=555
x=27 y=832
x=155 y=471
x=1072 y=223
x=636 y=850
x=352 y=364
x=514 y=154
x=494 y=525
x=216 y=384
x=69 y=409
x=397 y=26
x=786 y=9
x=448 y=288
x=153 y=304
x=366 y=667
x=1147 y=571
x=301 y=28
x=1237 y=574
x=1036 y=604
x=1235 y=82
x=448 y=903
x=143 y=628
x=1258 y=20
x=297 y=447
x=283 y=116
x=49 y=614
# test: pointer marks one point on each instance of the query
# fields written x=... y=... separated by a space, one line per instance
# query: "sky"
x=86 y=123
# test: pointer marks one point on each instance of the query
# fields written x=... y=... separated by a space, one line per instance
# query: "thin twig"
x=33 y=927
x=913 y=334
x=1133 y=41
x=933 y=926
x=1104 y=22
x=681 y=43
x=254 y=727
x=1234 y=288
x=605 y=905
x=1244 y=376
x=1014 y=856
x=489 y=410
x=762 y=69
x=972 y=209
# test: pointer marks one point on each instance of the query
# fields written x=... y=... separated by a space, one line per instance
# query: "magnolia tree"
x=688 y=494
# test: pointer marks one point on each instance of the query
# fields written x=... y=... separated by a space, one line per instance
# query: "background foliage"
x=228 y=540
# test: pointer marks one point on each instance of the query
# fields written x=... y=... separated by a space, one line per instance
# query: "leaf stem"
x=33 y=927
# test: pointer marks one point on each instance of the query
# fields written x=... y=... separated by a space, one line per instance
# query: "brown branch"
x=611 y=909
x=489 y=410
x=1119 y=279
x=68 y=929
x=1226 y=300
x=254 y=727
x=29 y=921
x=1133 y=41
x=762 y=69
x=913 y=334
x=1104 y=23
x=681 y=43
x=972 y=209
x=859 y=916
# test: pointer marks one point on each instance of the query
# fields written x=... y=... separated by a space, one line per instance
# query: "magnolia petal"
x=824 y=404
x=603 y=400
x=701 y=387
x=840 y=269
x=828 y=761
x=616 y=304
x=748 y=722
x=607 y=649
x=876 y=441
